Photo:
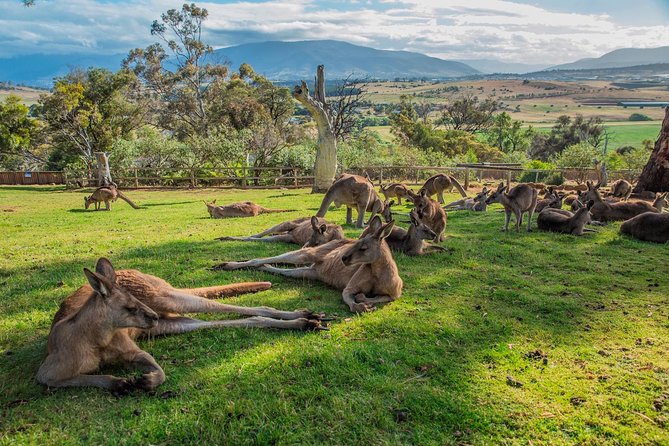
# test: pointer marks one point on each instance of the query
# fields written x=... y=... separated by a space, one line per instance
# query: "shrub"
x=547 y=177
x=639 y=117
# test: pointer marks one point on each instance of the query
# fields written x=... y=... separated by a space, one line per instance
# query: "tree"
x=19 y=135
x=468 y=113
x=567 y=132
x=580 y=156
x=655 y=175
x=183 y=97
x=325 y=166
x=508 y=135
x=344 y=105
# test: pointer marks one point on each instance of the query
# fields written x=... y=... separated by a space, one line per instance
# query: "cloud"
x=502 y=29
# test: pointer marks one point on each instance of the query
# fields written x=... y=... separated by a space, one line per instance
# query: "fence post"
x=536 y=176
x=136 y=178
x=508 y=179
x=295 y=175
x=381 y=175
x=467 y=178
x=192 y=177
x=243 y=177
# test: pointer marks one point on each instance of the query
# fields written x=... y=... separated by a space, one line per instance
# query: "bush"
x=639 y=117
x=548 y=177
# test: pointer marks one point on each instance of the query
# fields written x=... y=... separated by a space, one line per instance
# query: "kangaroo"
x=649 y=227
x=303 y=231
x=558 y=220
x=553 y=201
x=621 y=189
x=108 y=195
x=661 y=202
x=395 y=190
x=410 y=242
x=430 y=213
x=520 y=199
x=624 y=210
x=99 y=323
x=353 y=191
x=476 y=204
x=241 y=209
x=363 y=269
x=439 y=183
x=386 y=213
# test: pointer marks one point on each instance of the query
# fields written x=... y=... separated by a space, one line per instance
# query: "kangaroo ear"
x=590 y=204
x=213 y=202
x=385 y=230
x=99 y=283
x=314 y=222
x=323 y=228
x=105 y=269
x=205 y=202
x=423 y=193
x=375 y=223
x=413 y=215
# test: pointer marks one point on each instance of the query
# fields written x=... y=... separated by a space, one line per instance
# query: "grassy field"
x=507 y=339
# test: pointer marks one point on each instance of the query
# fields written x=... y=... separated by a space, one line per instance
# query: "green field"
x=580 y=322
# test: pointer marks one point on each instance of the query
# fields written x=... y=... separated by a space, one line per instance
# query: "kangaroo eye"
x=132 y=310
x=363 y=247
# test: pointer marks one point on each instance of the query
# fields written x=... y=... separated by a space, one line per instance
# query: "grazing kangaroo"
x=520 y=199
x=439 y=183
x=98 y=325
x=303 y=231
x=624 y=210
x=363 y=269
x=241 y=209
x=430 y=213
x=558 y=220
x=410 y=242
x=395 y=190
x=476 y=204
x=621 y=189
x=108 y=195
x=353 y=191
x=649 y=227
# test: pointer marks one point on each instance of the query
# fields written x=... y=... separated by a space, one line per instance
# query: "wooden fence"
x=27 y=178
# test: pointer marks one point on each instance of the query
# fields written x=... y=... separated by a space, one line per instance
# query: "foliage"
x=639 y=117
x=508 y=135
x=547 y=177
x=19 y=135
x=468 y=113
x=567 y=132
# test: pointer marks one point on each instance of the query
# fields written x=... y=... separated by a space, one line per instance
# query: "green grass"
x=596 y=306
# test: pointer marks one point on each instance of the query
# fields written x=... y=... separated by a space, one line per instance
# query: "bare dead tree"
x=655 y=176
x=468 y=113
x=345 y=104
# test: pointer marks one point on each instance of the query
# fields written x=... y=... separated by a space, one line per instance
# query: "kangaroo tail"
x=325 y=204
x=234 y=289
x=122 y=196
x=274 y=211
x=458 y=186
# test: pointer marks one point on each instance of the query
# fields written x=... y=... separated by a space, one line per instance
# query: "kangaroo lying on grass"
x=439 y=183
x=303 y=231
x=476 y=204
x=106 y=194
x=395 y=190
x=363 y=269
x=431 y=213
x=559 y=220
x=520 y=199
x=621 y=189
x=649 y=227
x=624 y=210
x=552 y=200
x=410 y=242
x=241 y=209
x=353 y=191
x=98 y=325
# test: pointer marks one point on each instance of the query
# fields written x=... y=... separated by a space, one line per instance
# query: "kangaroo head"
x=87 y=201
x=210 y=207
x=592 y=193
x=120 y=307
x=580 y=214
x=320 y=234
x=421 y=201
x=661 y=200
x=387 y=212
x=367 y=249
x=496 y=195
x=482 y=196
x=422 y=230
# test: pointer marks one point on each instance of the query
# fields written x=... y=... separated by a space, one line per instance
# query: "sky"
x=524 y=31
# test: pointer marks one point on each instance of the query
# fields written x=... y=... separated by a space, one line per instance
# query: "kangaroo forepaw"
x=225 y=237
x=314 y=325
x=311 y=315
x=227 y=266
x=362 y=308
x=123 y=387
x=148 y=381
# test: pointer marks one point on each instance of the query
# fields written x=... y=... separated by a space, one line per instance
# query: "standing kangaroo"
x=395 y=190
x=353 y=191
x=431 y=213
x=623 y=210
x=304 y=231
x=108 y=195
x=410 y=242
x=241 y=209
x=520 y=199
x=476 y=204
x=98 y=325
x=558 y=220
x=649 y=227
x=363 y=269
x=439 y=183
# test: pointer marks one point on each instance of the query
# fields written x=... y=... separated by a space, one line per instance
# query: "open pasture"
x=507 y=338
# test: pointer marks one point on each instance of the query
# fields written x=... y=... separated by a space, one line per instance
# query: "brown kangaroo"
x=624 y=210
x=353 y=191
x=363 y=269
x=108 y=195
x=431 y=213
x=98 y=325
x=649 y=227
x=476 y=204
x=241 y=209
x=520 y=199
x=410 y=242
x=303 y=231
x=395 y=190
x=439 y=183
x=554 y=201
x=559 y=220
x=621 y=189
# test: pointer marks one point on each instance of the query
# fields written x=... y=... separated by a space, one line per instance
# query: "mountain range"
x=290 y=61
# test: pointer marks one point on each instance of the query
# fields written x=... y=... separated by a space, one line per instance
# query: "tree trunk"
x=325 y=166
x=104 y=175
x=655 y=176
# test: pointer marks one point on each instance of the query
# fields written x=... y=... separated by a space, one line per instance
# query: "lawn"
x=508 y=338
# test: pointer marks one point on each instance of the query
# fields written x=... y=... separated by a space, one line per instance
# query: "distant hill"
x=298 y=60
x=656 y=72
x=490 y=66
x=625 y=57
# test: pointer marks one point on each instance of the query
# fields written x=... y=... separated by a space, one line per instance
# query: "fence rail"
x=264 y=177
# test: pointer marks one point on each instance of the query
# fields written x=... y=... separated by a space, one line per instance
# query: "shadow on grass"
x=36 y=189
